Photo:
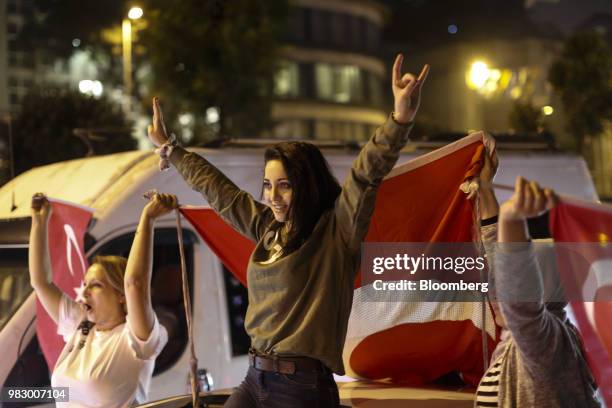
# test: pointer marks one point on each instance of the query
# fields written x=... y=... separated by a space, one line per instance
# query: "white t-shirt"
x=112 y=369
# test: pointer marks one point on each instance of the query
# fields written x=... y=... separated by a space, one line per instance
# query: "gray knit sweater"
x=543 y=363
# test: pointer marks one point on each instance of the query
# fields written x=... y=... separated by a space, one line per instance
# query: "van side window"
x=30 y=369
x=166 y=287
x=14 y=281
x=237 y=303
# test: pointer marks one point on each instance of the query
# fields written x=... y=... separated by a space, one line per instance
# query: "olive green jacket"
x=300 y=303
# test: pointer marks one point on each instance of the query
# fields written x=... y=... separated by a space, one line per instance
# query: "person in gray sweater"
x=539 y=361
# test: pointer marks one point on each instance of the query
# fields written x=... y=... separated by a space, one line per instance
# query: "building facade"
x=17 y=65
x=330 y=86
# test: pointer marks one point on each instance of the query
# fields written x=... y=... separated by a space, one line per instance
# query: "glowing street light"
x=135 y=13
x=478 y=75
x=126 y=29
x=547 y=110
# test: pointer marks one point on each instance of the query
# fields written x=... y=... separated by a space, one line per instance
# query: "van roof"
x=113 y=184
x=80 y=181
x=94 y=181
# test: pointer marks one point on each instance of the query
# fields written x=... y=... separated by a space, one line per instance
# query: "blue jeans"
x=265 y=389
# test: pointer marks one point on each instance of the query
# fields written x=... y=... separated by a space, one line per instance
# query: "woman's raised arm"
x=356 y=202
x=137 y=281
x=236 y=206
x=39 y=260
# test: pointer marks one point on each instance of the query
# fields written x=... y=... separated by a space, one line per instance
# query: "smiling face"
x=277 y=190
x=104 y=305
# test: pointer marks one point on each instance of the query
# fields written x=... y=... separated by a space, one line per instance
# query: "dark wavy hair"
x=314 y=187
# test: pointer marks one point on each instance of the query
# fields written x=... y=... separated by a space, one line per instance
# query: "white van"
x=113 y=185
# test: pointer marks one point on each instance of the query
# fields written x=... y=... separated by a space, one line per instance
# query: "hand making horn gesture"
x=157 y=131
x=406 y=91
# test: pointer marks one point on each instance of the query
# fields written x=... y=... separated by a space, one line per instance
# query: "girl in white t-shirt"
x=112 y=334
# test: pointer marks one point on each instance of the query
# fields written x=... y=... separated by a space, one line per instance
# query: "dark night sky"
x=426 y=22
x=568 y=15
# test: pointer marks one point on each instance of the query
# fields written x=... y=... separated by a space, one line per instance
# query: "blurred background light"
x=135 y=13
x=90 y=87
x=478 y=75
x=212 y=115
x=547 y=110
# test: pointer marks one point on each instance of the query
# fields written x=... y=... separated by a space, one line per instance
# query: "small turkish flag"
x=67 y=227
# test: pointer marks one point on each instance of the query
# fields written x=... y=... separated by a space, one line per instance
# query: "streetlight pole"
x=126 y=29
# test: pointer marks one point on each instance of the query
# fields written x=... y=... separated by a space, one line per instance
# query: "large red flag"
x=419 y=201
x=417 y=342
x=579 y=223
x=67 y=227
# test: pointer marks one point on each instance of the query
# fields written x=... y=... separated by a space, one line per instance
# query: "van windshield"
x=14 y=281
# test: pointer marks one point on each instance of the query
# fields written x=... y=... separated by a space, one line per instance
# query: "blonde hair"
x=114 y=269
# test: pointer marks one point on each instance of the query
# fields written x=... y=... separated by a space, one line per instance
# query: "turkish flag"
x=67 y=227
x=419 y=201
x=417 y=342
x=587 y=227
x=233 y=248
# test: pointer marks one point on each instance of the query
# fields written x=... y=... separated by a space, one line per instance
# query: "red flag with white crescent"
x=585 y=261
x=67 y=226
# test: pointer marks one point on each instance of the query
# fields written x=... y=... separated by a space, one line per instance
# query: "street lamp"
x=478 y=75
x=547 y=110
x=135 y=13
x=126 y=28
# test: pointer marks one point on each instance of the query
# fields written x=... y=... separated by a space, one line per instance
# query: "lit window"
x=338 y=83
x=287 y=81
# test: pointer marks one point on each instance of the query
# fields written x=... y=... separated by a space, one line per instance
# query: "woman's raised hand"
x=157 y=131
x=529 y=200
x=160 y=204
x=406 y=91
x=41 y=208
